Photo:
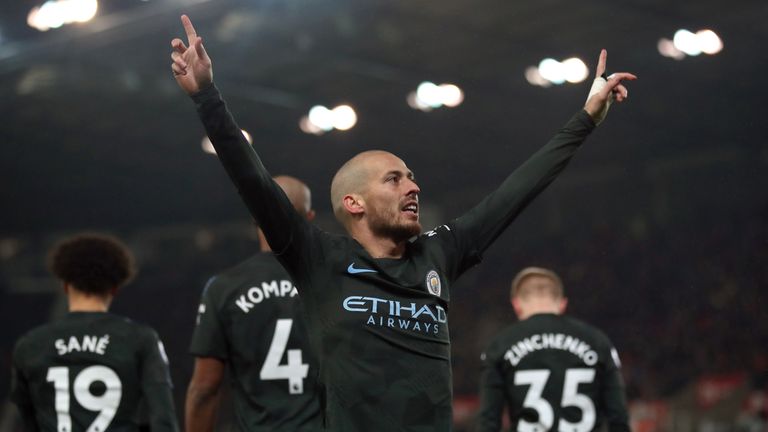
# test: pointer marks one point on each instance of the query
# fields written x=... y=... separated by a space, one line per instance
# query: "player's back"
x=90 y=371
x=556 y=373
x=251 y=318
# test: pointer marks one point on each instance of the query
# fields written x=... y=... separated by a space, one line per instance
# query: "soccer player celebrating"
x=249 y=318
x=377 y=300
x=552 y=372
x=91 y=370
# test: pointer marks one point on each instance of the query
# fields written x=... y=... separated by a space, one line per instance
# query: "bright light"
x=308 y=127
x=416 y=103
x=667 y=49
x=321 y=119
x=85 y=10
x=452 y=95
x=55 y=13
x=344 y=117
x=534 y=77
x=709 y=42
x=429 y=96
x=207 y=145
x=575 y=71
x=551 y=71
x=687 y=42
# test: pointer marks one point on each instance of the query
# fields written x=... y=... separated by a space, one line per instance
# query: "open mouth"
x=412 y=208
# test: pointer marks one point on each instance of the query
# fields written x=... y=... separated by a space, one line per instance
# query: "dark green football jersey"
x=380 y=326
x=250 y=317
x=89 y=372
x=553 y=373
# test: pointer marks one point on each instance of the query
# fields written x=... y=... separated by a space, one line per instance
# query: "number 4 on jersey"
x=295 y=371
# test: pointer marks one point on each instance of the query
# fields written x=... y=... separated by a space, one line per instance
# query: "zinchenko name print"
x=255 y=294
x=558 y=341
x=395 y=314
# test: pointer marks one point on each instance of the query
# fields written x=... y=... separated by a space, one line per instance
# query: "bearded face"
x=392 y=203
x=397 y=219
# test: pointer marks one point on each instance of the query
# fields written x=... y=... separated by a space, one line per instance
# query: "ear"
x=517 y=306
x=354 y=204
x=311 y=215
x=562 y=306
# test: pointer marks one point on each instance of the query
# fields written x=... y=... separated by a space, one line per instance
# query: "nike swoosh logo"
x=352 y=270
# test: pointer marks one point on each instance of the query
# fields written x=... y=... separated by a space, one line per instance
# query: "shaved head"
x=352 y=178
x=537 y=290
x=537 y=281
x=297 y=192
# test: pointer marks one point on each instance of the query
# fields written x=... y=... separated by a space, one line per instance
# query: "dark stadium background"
x=659 y=227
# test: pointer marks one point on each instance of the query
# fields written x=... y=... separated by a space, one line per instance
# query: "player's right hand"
x=605 y=91
x=191 y=65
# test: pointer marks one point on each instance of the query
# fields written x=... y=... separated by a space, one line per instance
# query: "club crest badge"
x=433 y=283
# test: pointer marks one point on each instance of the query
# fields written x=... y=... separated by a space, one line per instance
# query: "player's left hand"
x=604 y=92
x=191 y=65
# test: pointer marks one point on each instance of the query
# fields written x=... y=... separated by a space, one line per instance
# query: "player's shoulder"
x=75 y=323
x=439 y=232
x=259 y=261
x=129 y=328
x=433 y=241
x=31 y=338
x=502 y=338
x=587 y=329
x=258 y=264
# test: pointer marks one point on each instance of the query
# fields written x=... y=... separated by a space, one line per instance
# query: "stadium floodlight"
x=574 y=70
x=687 y=42
x=207 y=145
x=692 y=44
x=551 y=71
x=344 y=117
x=452 y=95
x=308 y=127
x=56 y=13
x=320 y=119
x=709 y=42
x=533 y=77
x=429 y=96
x=667 y=48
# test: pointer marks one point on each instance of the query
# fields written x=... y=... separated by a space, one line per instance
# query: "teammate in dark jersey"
x=552 y=372
x=250 y=319
x=377 y=300
x=90 y=370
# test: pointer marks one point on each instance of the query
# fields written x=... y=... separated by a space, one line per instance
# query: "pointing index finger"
x=600 y=63
x=189 y=29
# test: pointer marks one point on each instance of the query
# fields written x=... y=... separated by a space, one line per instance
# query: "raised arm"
x=479 y=227
x=193 y=70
